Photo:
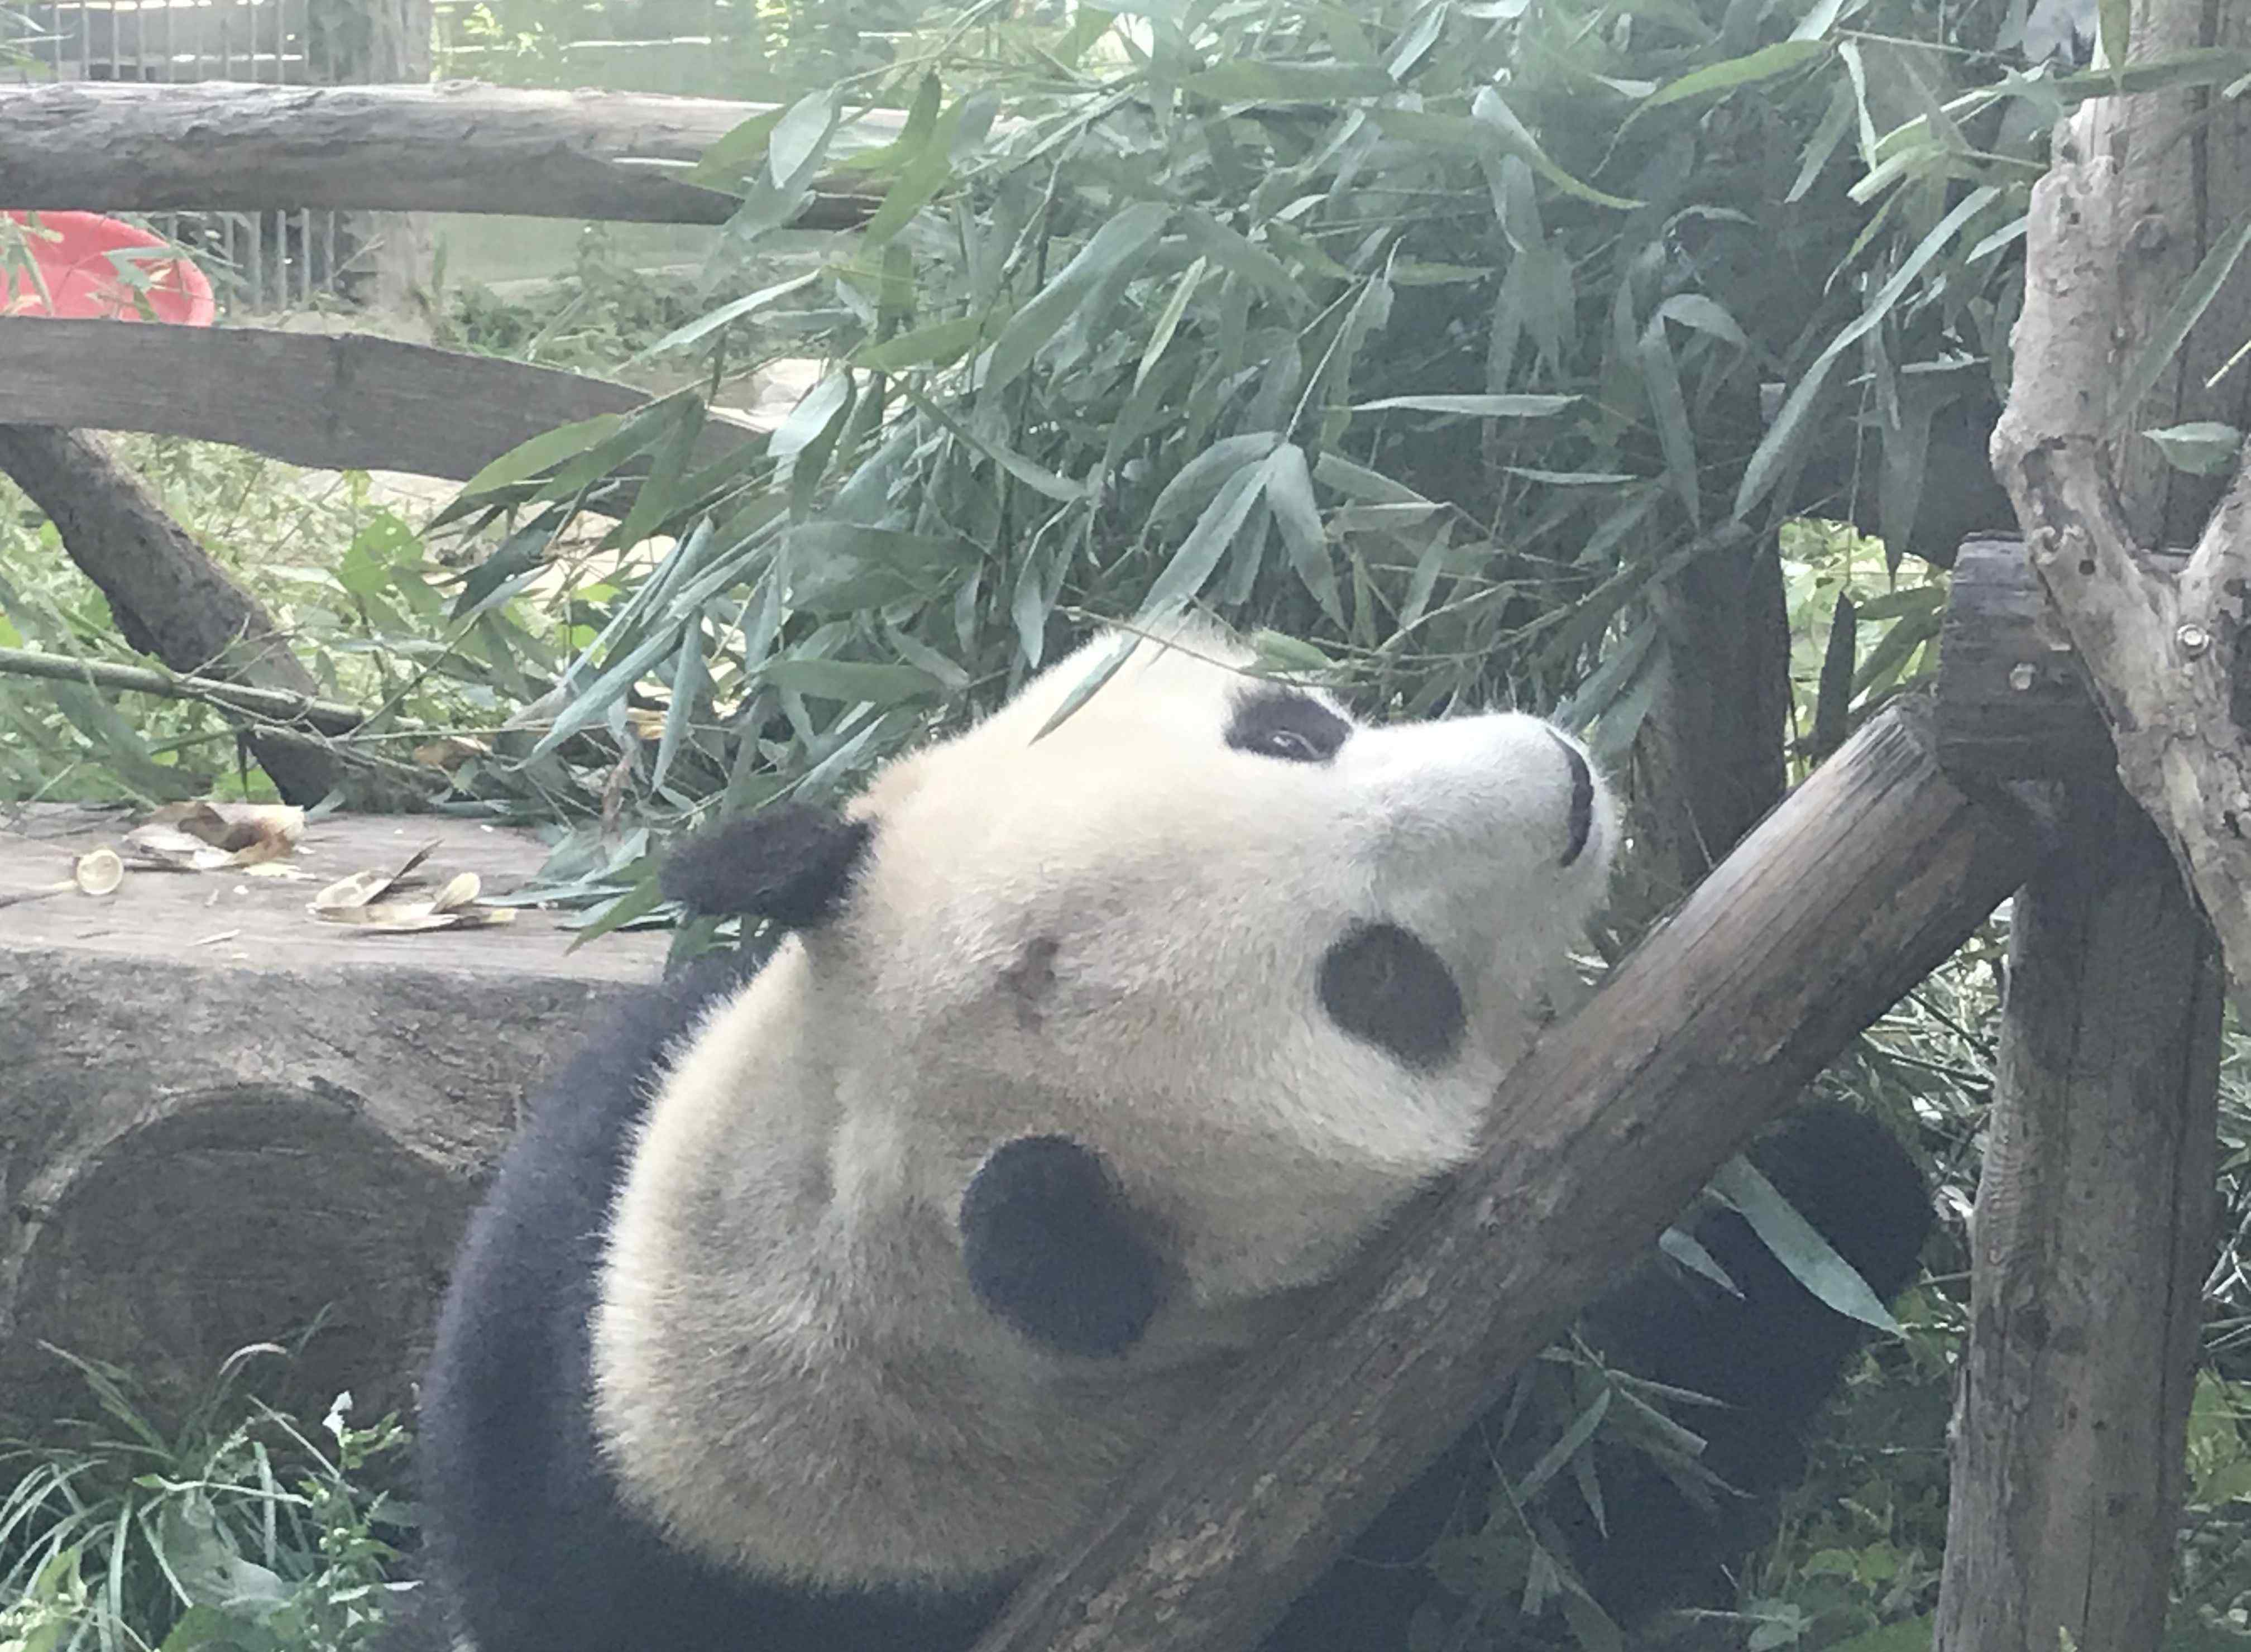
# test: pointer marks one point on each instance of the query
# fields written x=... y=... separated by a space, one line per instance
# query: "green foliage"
x=367 y=607
x=240 y=1529
x=1434 y=333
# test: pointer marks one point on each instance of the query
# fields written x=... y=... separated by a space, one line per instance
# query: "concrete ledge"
x=220 y=1118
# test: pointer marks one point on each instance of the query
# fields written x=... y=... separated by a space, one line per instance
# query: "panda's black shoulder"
x=512 y=1484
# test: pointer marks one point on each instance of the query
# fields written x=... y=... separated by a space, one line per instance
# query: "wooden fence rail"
x=458 y=146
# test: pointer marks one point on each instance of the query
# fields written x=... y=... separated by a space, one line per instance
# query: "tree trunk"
x=459 y=147
x=2090 y=1247
x=2090 y=1225
x=169 y=598
x=1709 y=763
x=1858 y=884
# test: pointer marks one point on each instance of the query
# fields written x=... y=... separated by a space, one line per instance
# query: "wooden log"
x=1848 y=893
x=341 y=403
x=2089 y=1250
x=2014 y=700
x=221 y=1117
x=457 y=147
x=2091 y=1253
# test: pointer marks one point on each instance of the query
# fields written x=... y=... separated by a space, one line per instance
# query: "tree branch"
x=2162 y=649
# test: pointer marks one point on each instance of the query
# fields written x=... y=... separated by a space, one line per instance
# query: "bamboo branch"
x=274 y=705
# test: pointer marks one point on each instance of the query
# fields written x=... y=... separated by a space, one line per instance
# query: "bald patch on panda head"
x=1031 y=979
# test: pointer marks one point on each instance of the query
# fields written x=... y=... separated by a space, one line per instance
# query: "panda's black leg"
x=1052 y=1247
x=1772 y=1358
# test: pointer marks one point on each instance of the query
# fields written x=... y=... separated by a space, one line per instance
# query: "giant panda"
x=815 y=1304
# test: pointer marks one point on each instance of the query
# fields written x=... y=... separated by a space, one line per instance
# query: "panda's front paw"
x=1052 y=1247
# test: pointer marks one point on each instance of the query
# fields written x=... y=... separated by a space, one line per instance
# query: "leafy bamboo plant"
x=1433 y=333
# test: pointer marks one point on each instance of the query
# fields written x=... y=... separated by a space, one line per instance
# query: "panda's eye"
x=1288 y=744
x=1296 y=728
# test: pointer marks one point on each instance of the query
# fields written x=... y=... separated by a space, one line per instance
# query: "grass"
x=235 y=1528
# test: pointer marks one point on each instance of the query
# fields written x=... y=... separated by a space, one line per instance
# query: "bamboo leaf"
x=526 y=460
x=929 y=166
x=800 y=135
x=1705 y=315
x=851 y=681
x=1248 y=82
x=1473 y=406
x=2203 y=448
x=1798 y=1246
x=1660 y=376
x=691 y=680
x=1202 y=477
x=1289 y=484
x=1124 y=239
x=1168 y=320
x=937 y=344
x=1488 y=107
x=1764 y=64
x=734 y=155
x=1779 y=446
x=704 y=326
x=1193 y=564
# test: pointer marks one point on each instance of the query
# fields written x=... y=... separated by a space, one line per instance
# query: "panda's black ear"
x=793 y=864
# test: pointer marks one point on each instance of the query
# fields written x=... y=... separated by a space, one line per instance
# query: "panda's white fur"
x=1108 y=932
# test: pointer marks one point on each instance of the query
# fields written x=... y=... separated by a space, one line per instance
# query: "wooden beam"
x=1857 y=884
x=457 y=147
x=344 y=403
x=2014 y=700
x=2089 y=1250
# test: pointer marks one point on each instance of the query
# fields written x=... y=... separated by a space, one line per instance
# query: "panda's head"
x=1092 y=1045
x=1187 y=992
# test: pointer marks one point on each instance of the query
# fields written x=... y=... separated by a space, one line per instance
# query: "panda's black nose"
x=1580 y=824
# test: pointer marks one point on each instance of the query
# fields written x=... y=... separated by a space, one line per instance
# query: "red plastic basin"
x=73 y=257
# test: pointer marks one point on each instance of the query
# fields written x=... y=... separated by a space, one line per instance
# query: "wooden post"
x=2089 y=1245
x=2090 y=1240
x=2090 y=1249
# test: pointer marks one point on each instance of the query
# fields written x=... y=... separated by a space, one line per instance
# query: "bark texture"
x=1708 y=764
x=2148 y=185
x=2090 y=1247
x=2091 y=1222
x=340 y=403
x=455 y=147
x=221 y=1120
x=1850 y=891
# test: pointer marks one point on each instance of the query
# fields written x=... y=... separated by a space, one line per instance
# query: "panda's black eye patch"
x=1382 y=984
x=1285 y=724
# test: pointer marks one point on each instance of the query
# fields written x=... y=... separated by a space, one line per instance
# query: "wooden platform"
x=221 y=1117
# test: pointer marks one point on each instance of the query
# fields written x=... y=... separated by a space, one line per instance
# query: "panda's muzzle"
x=1580 y=822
